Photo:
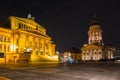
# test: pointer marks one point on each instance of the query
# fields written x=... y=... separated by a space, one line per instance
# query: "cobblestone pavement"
x=86 y=71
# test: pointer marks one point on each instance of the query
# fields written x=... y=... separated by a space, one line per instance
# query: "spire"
x=94 y=16
x=94 y=21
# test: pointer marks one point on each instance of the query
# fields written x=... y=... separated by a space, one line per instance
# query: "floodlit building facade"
x=24 y=40
x=72 y=53
x=95 y=49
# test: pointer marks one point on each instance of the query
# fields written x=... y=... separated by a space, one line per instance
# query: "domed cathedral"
x=94 y=50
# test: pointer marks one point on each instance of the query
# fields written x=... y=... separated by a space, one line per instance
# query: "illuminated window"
x=19 y=25
x=41 y=45
x=5 y=39
x=36 y=27
x=36 y=43
x=41 y=52
x=36 y=51
x=30 y=27
x=9 y=39
x=0 y=38
x=46 y=46
x=5 y=47
x=8 y=48
x=30 y=43
x=26 y=27
x=0 y=47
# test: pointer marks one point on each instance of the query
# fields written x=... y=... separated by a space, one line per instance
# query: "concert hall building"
x=24 y=40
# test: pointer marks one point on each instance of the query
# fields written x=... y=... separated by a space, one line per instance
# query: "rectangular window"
x=8 y=39
x=30 y=43
x=22 y=26
x=19 y=25
x=8 y=48
x=36 y=43
x=26 y=27
x=5 y=39
x=0 y=38
x=0 y=47
x=5 y=47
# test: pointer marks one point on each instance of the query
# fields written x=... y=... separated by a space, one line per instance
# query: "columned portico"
x=25 y=40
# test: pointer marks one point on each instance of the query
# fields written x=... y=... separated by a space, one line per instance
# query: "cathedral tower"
x=94 y=49
x=95 y=33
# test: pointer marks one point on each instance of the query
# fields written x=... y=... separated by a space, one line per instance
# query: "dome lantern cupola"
x=94 y=21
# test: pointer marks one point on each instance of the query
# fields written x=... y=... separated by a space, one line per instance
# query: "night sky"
x=67 y=21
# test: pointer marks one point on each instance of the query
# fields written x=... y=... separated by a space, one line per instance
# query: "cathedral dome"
x=94 y=26
x=94 y=22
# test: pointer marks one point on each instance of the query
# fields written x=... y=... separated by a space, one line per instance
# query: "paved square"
x=81 y=71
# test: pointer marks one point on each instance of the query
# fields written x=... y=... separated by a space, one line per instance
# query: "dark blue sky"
x=67 y=21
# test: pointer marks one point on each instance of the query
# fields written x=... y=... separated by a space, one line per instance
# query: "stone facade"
x=95 y=49
x=71 y=55
x=24 y=39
